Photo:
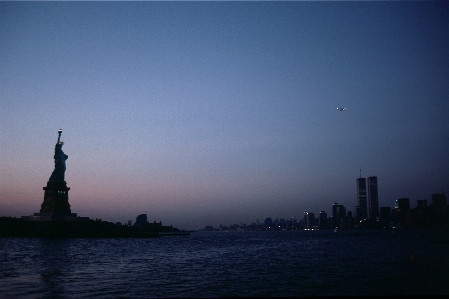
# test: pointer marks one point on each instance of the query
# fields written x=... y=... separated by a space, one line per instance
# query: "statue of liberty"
x=60 y=157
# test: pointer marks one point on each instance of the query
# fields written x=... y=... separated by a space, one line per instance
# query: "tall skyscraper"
x=361 y=199
x=373 y=198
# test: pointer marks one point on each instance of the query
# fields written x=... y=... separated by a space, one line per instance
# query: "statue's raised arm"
x=60 y=157
x=59 y=136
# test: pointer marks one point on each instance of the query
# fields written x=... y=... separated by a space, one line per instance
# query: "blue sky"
x=208 y=113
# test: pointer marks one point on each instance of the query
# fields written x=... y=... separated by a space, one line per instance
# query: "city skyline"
x=216 y=112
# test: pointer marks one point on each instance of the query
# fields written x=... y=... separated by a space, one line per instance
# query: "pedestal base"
x=56 y=207
x=56 y=198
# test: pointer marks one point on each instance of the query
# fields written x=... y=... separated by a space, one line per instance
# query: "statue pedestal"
x=56 y=205
x=56 y=198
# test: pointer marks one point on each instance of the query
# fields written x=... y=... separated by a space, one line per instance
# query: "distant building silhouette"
x=141 y=220
x=385 y=217
x=439 y=200
x=338 y=214
x=373 y=198
x=421 y=203
x=423 y=217
x=306 y=220
x=361 y=199
x=402 y=213
x=268 y=222
x=323 y=223
x=349 y=221
x=402 y=204
x=440 y=210
x=312 y=221
x=357 y=213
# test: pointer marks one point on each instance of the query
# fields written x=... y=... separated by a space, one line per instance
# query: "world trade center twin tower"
x=367 y=206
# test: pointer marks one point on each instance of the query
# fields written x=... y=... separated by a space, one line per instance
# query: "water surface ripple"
x=228 y=264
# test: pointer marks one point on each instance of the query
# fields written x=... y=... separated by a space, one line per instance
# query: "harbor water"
x=229 y=264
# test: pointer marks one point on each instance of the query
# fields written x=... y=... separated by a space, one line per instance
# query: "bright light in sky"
x=209 y=113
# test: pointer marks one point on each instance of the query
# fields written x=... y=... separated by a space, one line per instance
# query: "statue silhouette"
x=60 y=157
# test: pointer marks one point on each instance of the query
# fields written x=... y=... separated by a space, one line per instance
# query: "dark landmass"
x=19 y=228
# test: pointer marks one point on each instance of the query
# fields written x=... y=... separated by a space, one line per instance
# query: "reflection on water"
x=219 y=264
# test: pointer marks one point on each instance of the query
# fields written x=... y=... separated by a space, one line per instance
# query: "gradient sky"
x=209 y=113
